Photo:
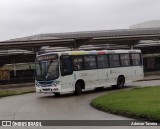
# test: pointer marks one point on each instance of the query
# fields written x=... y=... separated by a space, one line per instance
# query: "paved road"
x=145 y=83
x=66 y=107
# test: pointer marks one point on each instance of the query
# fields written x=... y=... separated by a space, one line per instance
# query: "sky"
x=20 y=18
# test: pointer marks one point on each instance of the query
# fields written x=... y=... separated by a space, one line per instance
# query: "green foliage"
x=137 y=103
x=5 y=93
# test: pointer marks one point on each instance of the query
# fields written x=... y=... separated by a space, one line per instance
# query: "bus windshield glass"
x=47 y=69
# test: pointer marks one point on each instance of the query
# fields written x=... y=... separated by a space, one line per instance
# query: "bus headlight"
x=37 y=84
x=56 y=83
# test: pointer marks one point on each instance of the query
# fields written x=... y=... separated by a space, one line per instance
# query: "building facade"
x=151 y=58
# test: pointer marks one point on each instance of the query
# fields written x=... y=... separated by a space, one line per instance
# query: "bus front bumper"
x=47 y=90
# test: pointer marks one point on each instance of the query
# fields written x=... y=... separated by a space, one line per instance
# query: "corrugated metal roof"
x=91 y=34
x=77 y=39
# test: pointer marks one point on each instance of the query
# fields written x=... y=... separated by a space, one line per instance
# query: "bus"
x=76 y=71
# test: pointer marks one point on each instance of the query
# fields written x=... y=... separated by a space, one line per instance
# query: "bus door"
x=67 y=79
x=103 y=71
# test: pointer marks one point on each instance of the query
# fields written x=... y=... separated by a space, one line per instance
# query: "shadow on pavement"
x=88 y=92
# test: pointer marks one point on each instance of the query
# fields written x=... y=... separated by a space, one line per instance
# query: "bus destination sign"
x=47 y=57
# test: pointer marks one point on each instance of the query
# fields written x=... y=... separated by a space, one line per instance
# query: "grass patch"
x=5 y=93
x=139 y=103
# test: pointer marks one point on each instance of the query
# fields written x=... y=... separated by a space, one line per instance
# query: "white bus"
x=75 y=71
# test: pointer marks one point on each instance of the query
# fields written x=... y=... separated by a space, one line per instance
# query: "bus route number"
x=83 y=74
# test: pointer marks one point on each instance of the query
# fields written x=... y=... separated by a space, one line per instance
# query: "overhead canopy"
x=88 y=40
x=77 y=39
x=16 y=58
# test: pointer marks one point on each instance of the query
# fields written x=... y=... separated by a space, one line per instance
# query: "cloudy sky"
x=19 y=18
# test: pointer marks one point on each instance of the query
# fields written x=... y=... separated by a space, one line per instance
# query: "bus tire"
x=56 y=94
x=78 y=88
x=120 y=82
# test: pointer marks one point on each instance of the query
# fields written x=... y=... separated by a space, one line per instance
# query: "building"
x=151 y=61
x=147 y=24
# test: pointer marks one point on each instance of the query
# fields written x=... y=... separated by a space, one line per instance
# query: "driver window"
x=66 y=65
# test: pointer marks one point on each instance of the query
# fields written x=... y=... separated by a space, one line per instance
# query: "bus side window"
x=102 y=61
x=136 y=59
x=125 y=60
x=114 y=60
x=90 y=62
x=66 y=65
x=77 y=63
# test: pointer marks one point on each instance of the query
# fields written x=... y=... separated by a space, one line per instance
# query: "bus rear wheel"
x=120 y=82
x=78 y=88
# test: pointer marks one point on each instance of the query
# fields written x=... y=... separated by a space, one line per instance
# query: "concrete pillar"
x=14 y=69
x=131 y=46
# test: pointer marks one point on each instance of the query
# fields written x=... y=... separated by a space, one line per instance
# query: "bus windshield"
x=47 y=70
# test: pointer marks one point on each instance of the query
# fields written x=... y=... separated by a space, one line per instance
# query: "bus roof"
x=94 y=52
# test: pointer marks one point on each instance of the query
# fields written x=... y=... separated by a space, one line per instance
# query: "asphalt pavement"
x=35 y=106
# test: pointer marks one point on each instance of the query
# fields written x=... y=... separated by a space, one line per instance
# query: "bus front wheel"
x=56 y=94
x=78 y=88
